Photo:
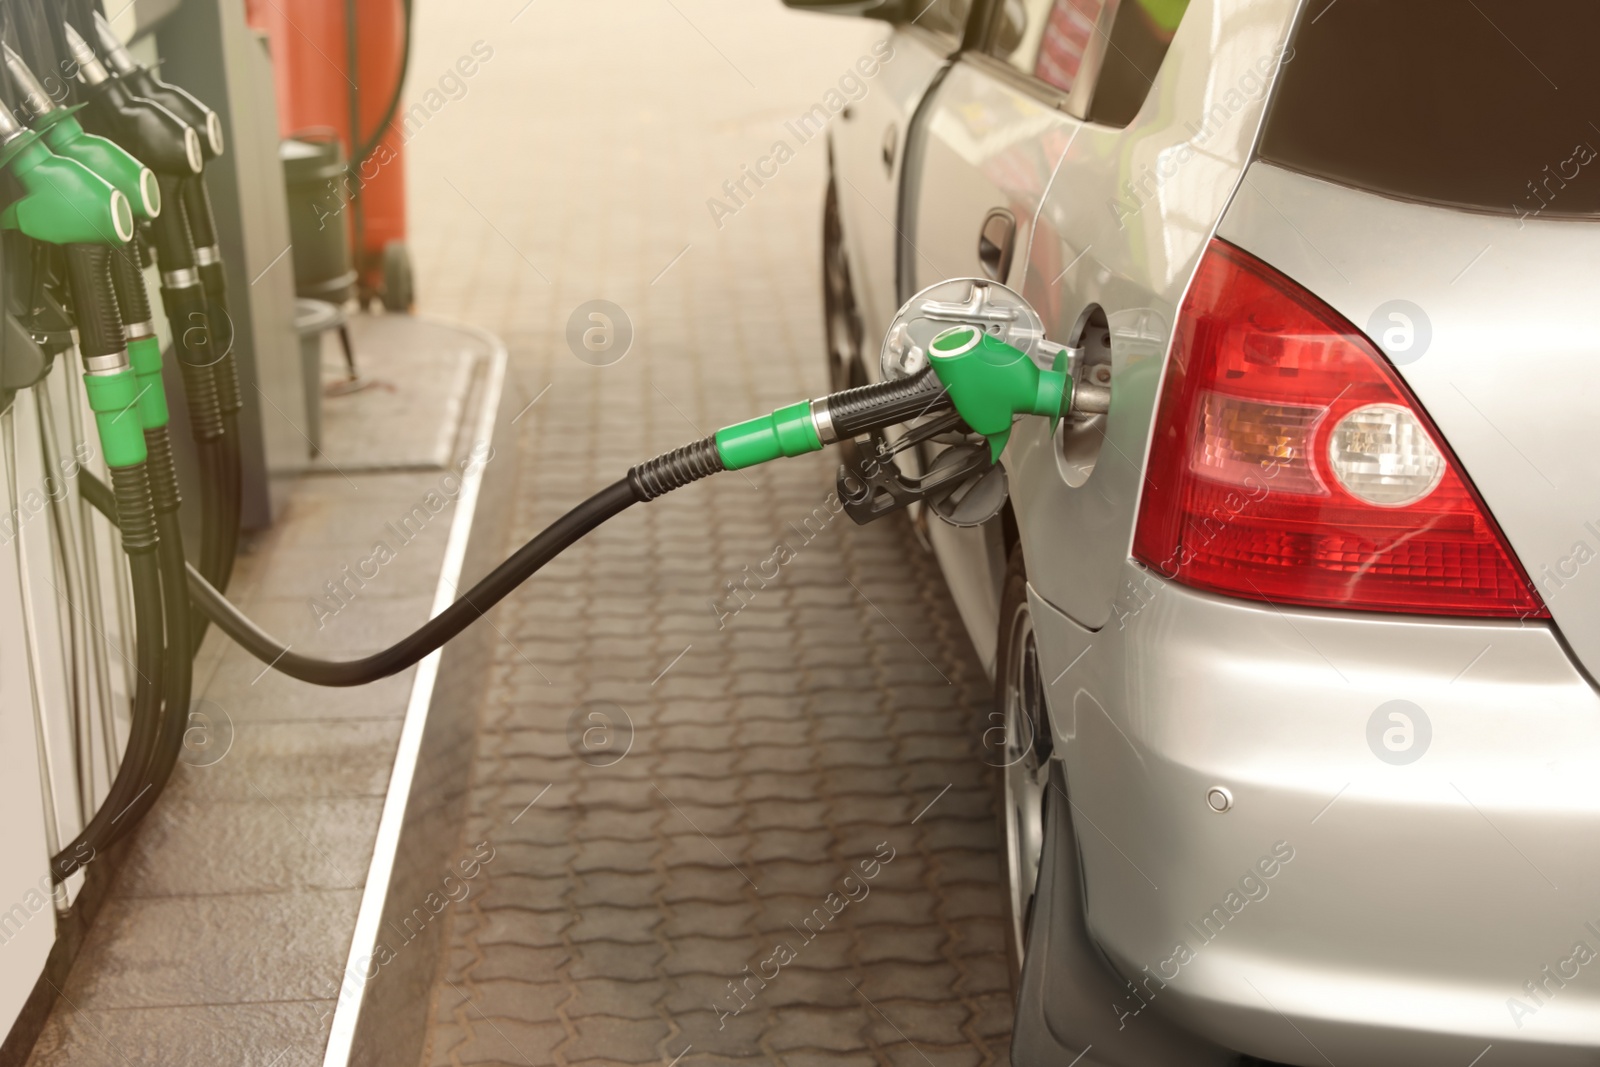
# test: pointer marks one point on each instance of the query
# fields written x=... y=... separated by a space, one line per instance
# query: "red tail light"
x=1291 y=464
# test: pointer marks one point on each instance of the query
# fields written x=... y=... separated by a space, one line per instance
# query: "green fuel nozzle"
x=988 y=382
x=991 y=383
x=63 y=202
x=65 y=136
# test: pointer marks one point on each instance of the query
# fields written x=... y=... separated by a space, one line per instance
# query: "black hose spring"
x=163 y=474
x=136 y=513
x=205 y=408
x=229 y=399
x=675 y=469
x=128 y=278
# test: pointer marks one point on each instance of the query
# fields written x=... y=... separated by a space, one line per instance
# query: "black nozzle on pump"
x=143 y=82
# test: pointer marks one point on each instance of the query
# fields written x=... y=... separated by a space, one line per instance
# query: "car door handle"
x=996 y=241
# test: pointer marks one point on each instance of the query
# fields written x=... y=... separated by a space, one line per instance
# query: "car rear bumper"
x=1348 y=905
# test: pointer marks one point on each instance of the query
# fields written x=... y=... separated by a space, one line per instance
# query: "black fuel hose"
x=195 y=203
x=178 y=657
x=177 y=677
x=551 y=542
x=194 y=338
x=139 y=540
x=101 y=338
x=644 y=482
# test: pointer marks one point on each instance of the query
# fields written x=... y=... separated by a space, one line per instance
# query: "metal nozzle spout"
x=90 y=70
x=1090 y=399
x=116 y=53
x=35 y=99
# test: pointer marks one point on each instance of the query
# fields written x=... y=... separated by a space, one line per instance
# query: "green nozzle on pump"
x=65 y=136
x=991 y=383
x=63 y=201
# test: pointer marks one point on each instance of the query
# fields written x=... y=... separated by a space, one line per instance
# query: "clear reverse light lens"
x=1381 y=454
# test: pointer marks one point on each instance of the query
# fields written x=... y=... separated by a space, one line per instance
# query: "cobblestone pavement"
x=794 y=858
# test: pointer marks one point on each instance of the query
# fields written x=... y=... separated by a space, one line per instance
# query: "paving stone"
x=717 y=884
x=616 y=999
x=932 y=982
x=617 y=1040
x=696 y=918
x=614 y=960
x=598 y=922
x=519 y=962
x=492 y=1043
x=905 y=944
x=820 y=1029
x=716 y=956
x=517 y=926
x=516 y=999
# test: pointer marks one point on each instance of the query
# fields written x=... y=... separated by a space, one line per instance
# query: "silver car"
x=1294 y=646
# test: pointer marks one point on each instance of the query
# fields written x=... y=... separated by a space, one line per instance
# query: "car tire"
x=1019 y=744
x=841 y=318
x=842 y=328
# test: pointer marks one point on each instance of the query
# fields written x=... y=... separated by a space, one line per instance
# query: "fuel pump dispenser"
x=961 y=363
x=82 y=195
x=67 y=205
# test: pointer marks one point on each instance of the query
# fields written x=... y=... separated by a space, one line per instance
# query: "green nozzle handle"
x=65 y=136
x=63 y=201
x=991 y=383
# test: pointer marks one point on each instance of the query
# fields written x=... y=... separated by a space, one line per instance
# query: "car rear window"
x=1490 y=105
